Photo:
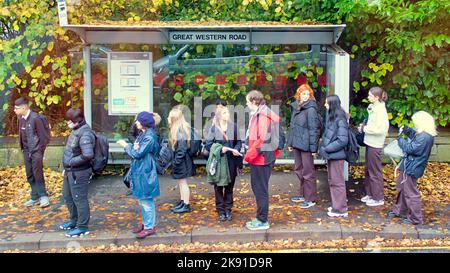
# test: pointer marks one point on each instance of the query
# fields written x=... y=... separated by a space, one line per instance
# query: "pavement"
x=113 y=215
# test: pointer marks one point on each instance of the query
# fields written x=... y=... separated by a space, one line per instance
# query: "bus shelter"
x=131 y=68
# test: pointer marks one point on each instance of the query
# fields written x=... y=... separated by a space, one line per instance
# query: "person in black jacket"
x=78 y=153
x=334 y=140
x=303 y=139
x=407 y=204
x=183 y=163
x=32 y=142
x=225 y=132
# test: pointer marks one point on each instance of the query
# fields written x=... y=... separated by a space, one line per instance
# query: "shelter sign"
x=130 y=83
x=209 y=37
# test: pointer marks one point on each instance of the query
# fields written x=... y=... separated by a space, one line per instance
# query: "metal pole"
x=87 y=97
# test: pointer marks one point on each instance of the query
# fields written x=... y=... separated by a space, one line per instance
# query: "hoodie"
x=261 y=149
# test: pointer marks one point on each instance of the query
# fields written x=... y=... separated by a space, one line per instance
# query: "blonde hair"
x=424 y=122
x=157 y=118
x=220 y=111
x=177 y=125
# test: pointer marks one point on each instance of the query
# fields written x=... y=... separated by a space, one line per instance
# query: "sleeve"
x=341 y=138
x=132 y=132
x=314 y=130
x=209 y=139
x=237 y=139
x=414 y=147
x=408 y=131
x=40 y=131
x=180 y=152
x=289 y=137
x=254 y=150
x=87 y=142
x=146 y=145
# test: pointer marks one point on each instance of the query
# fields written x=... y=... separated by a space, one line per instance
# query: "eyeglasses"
x=18 y=107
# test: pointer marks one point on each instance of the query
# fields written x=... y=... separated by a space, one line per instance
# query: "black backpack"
x=278 y=136
x=195 y=146
x=47 y=135
x=101 y=153
x=352 y=148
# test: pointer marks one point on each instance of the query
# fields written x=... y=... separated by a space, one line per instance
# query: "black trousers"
x=34 y=165
x=259 y=178
x=224 y=195
x=75 y=192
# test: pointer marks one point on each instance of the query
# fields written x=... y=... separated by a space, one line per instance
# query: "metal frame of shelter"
x=323 y=35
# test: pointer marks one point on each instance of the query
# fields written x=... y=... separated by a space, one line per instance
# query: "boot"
x=177 y=205
x=184 y=208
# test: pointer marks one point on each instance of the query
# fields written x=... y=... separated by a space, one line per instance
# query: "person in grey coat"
x=78 y=153
x=303 y=140
x=334 y=141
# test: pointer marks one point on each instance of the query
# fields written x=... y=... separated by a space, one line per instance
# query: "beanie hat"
x=146 y=119
x=74 y=115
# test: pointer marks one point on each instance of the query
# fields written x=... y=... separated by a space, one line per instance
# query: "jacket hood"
x=266 y=111
x=306 y=105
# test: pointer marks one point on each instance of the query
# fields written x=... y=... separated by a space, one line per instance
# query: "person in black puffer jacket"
x=418 y=149
x=334 y=141
x=78 y=153
x=182 y=163
x=303 y=140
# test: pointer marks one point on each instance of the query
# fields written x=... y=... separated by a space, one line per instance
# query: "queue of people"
x=223 y=147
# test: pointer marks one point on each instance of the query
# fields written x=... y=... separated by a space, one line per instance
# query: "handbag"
x=393 y=151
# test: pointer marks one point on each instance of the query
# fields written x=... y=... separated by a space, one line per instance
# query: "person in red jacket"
x=261 y=154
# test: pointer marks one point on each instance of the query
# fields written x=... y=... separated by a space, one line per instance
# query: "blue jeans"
x=148 y=212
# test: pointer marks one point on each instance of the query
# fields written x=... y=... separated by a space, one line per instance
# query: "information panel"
x=130 y=83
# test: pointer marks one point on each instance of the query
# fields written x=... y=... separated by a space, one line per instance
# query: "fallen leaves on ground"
x=15 y=190
x=434 y=185
x=348 y=244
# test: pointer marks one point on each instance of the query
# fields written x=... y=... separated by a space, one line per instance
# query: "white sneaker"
x=366 y=198
x=374 y=203
x=44 y=201
x=334 y=214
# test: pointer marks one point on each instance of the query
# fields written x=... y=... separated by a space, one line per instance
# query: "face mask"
x=71 y=125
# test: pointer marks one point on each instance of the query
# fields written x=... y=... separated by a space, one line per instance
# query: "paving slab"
x=158 y=238
x=428 y=233
x=357 y=232
x=214 y=235
x=59 y=240
x=22 y=242
x=398 y=231
x=307 y=231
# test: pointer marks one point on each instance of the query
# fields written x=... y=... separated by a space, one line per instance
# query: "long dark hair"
x=334 y=108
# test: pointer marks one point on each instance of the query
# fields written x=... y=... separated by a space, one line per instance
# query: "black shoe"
x=177 y=205
x=392 y=214
x=228 y=216
x=406 y=221
x=184 y=208
x=222 y=218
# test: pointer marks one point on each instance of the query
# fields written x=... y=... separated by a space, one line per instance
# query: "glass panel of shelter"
x=225 y=71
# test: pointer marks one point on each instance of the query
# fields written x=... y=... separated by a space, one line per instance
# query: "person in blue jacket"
x=144 y=178
x=417 y=147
